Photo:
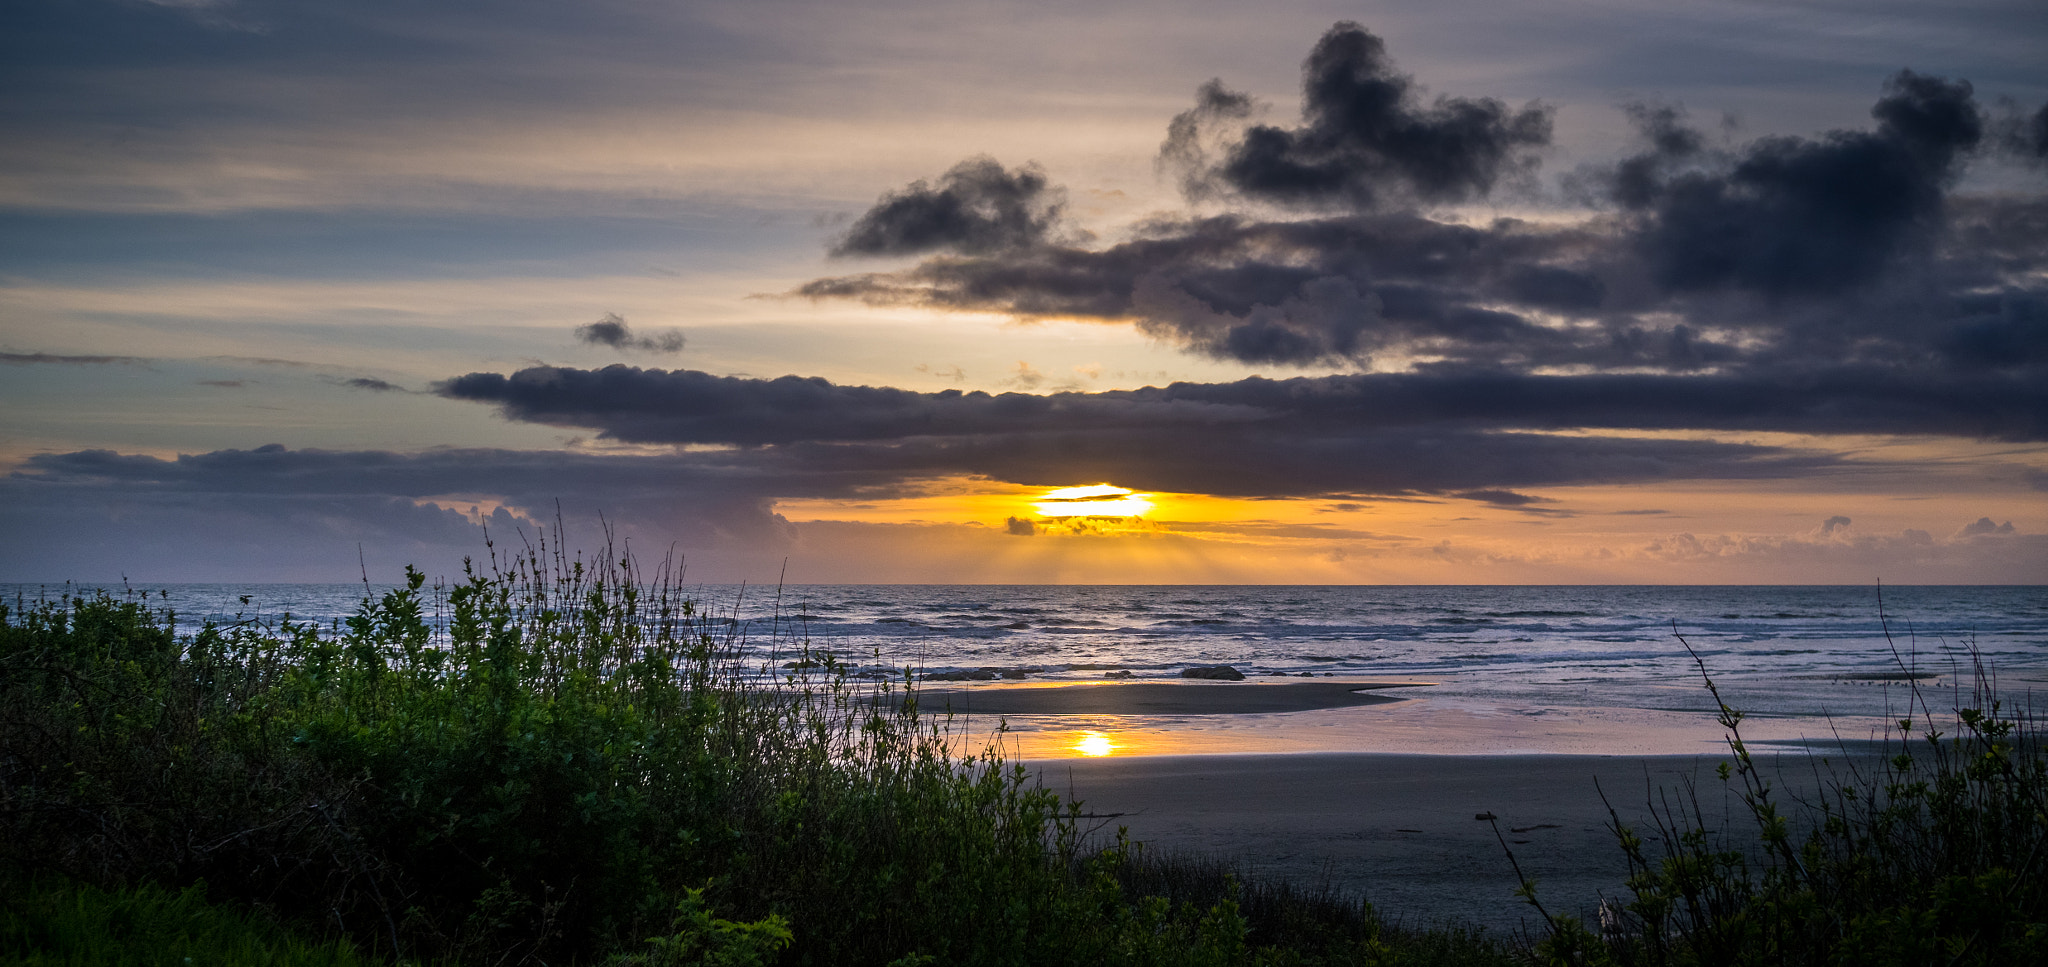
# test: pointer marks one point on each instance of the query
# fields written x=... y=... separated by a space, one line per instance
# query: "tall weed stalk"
x=1928 y=853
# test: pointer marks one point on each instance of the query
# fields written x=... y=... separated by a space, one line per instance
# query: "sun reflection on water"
x=1093 y=744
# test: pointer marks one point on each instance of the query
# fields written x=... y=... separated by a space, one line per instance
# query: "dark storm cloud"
x=2004 y=330
x=1476 y=435
x=2027 y=136
x=1262 y=463
x=1796 y=217
x=536 y=476
x=1366 y=137
x=301 y=514
x=1295 y=291
x=1636 y=181
x=1255 y=438
x=304 y=514
x=682 y=406
x=612 y=331
x=96 y=532
x=1508 y=294
x=976 y=208
x=1785 y=255
x=705 y=500
x=729 y=494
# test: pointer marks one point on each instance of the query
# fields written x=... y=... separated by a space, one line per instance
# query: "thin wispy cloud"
x=372 y=384
x=612 y=331
x=62 y=359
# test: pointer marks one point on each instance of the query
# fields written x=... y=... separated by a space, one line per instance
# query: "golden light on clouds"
x=1095 y=500
x=973 y=530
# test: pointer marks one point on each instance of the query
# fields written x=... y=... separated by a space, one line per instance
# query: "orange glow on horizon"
x=975 y=530
x=980 y=502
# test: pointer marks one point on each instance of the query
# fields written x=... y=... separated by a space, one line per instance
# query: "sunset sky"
x=1308 y=293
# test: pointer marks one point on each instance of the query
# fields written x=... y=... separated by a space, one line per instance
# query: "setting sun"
x=1098 y=500
x=1093 y=744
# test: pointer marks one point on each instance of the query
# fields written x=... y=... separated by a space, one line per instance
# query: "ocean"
x=1607 y=665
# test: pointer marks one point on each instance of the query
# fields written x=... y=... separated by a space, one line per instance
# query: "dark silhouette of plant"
x=1930 y=855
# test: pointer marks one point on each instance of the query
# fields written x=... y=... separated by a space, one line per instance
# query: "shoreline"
x=1124 y=719
x=1159 y=698
x=1371 y=788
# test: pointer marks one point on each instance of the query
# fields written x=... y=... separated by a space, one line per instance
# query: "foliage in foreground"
x=555 y=763
x=46 y=924
x=1935 y=857
x=568 y=764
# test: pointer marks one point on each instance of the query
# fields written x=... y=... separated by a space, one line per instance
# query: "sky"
x=906 y=291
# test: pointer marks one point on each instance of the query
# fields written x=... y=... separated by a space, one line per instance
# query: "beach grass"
x=1934 y=856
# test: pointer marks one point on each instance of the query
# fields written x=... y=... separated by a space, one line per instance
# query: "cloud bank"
x=1785 y=255
x=681 y=406
x=302 y=514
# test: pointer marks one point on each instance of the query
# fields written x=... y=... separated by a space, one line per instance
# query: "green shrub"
x=701 y=938
x=558 y=761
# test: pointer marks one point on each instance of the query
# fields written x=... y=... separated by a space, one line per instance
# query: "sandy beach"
x=1401 y=829
x=1373 y=787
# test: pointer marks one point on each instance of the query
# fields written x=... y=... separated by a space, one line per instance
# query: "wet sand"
x=1400 y=829
x=1373 y=787
x=1158 y=698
